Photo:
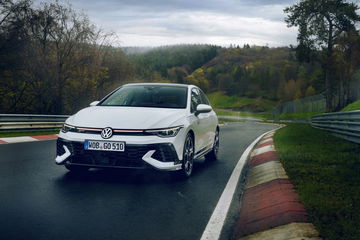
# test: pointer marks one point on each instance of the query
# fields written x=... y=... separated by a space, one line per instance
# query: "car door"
x=198 y=121
x=210 y=122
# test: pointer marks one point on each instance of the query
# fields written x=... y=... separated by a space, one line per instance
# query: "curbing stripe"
x=270 y=135
x=265 y=141
x=292 y=231
x=27 y=139
x=46 y=137
x=270 y=209
x=267 y=137
x=217 y=219
x=260 y=145
x=258 y=151
x=265 y=172
x=263 y=158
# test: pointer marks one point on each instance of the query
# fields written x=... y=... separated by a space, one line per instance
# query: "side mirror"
x=94 y=103
x=203 y=108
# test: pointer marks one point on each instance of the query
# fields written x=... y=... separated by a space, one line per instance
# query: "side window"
x=204 y=99
x=195 y=99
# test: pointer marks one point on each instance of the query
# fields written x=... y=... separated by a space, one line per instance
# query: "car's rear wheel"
x=75 y=168
x=213 y=154
x=188 y=157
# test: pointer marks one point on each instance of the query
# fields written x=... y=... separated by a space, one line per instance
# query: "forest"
x=53 y=60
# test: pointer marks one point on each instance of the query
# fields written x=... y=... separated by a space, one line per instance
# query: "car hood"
x=126 y=117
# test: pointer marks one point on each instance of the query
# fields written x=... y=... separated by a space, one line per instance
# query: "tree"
x=53 y=60
x=14 y=16
x=320 y=23
x=347 y=59
x=198 y=78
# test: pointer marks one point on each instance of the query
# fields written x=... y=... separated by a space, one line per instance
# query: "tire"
x=74 y=168
x=213 y=154
x=188 y=157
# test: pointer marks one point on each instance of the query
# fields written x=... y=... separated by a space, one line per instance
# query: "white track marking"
x=18 y=139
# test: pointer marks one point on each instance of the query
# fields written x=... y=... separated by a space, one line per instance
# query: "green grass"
x=326 y=172
x=21 y=134
x=222 y=112
x=220 y=100
x=290 y=116
x=260 y=108
x=351 y=107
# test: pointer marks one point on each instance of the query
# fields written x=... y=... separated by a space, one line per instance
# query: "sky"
x=169 y=22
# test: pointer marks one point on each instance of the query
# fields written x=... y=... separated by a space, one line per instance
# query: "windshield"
x=148 y=96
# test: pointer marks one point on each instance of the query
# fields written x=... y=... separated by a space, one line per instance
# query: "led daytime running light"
x=166 y=132
x=66 y=128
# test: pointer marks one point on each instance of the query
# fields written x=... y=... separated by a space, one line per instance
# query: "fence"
x=29 y=122
x=316 y=103
x=342 y=124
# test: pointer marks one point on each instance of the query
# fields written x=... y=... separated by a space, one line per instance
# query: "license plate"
x=104 y=146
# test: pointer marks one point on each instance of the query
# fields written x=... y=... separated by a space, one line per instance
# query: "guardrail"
x=342 y=124
x=30 y=122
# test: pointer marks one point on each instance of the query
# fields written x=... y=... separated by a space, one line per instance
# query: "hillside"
x=170 y=63
x=258 y=73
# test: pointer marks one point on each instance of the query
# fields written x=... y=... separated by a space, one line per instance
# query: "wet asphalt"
x=40 y=200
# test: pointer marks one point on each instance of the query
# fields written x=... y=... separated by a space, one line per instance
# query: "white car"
x=164 y=126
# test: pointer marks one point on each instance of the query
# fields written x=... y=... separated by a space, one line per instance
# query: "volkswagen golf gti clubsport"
x=162 y=126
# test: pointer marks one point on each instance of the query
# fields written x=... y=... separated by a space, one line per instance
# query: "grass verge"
x=220 y=100
x=21 y=134
x=352 y=106
x=223 y=112
x=326 y=172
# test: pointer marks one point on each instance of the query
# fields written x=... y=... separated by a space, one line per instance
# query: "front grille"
x=127 y=132
x=132 y=157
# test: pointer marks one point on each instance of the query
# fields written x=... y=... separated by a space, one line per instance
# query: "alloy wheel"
x=188 y=157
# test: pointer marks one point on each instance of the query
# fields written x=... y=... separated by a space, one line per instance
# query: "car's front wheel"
x=188 y=157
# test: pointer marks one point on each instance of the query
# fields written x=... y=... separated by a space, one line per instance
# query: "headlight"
x=165 y=132
x=66 y=128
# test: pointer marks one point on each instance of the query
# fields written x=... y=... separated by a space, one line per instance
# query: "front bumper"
x=161 y=156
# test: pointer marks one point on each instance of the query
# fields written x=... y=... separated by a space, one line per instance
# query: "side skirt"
x=203 y=152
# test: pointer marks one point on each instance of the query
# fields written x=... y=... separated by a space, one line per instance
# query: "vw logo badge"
x=106 y=133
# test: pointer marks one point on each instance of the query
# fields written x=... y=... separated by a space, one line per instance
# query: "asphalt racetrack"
x=40 y=200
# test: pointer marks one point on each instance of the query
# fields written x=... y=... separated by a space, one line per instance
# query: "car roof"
x=160 y=84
